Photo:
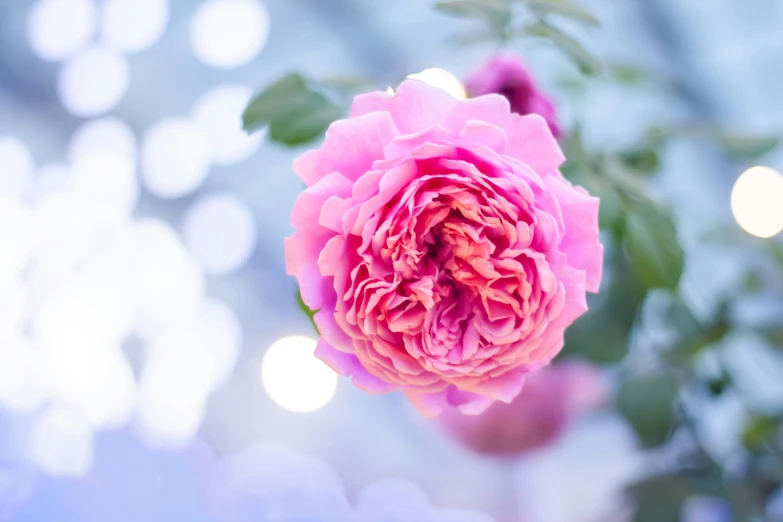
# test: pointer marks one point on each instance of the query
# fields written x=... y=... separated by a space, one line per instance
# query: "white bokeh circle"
x=61 y=443
x=294 y=378
x=219 y=113
x=131 y=26
x=58 y=29
x=229 y=33
x=175 y=158
x=93 y=82
x=220 y=231
x=16 y=167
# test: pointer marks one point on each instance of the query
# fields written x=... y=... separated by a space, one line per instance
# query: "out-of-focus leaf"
x=678 y=315
x=623 y=178
x=652 y=245
x=348 y=83
x=776 y=251
x=627 y=74
x=602 y=335
x=661 y=498
x=495 y=12
x=641 y=160
x=746 y=146
x=294 y=112
x=306 y=309
x=760 y=431
x=752 y=282
x=576 y=51
x=774 y=336
x=709 y=336
x=718 y=385
x=565 y=8
x=647 y=403
x=480 y=35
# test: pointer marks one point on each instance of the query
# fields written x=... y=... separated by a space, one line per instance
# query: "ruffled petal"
x=531 y=142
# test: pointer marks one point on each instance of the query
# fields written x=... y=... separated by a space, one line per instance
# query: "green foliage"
x=306 y=309
x=644 y=160
x=743 y=146
x=602 y=335
x=661 y=498
x=495 y=13
x=565 y=8
x=652 y=245
x=647 y=403
x=295 y=113
x=573 y=49
x=760 y=431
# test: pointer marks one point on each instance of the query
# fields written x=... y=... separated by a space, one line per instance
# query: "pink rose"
x=549 y=401
x=443 y=249
x=507 y=75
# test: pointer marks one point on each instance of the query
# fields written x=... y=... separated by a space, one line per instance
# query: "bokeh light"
x=219 y=327
x=17 y=237
x=442 y=79
x=757 y=201
x=61 y=443
x=133 y=25
x=219 y=114
x=175 y=158
x=17 y=167
x=58 y=29
x=93 y=82
x=17 y=367
x=66 y=228
x=294 y=378
x=103 y=158
x=167 y=282
x=220 y=232
x=229 y=33
x=104 y=136
x=171 y=396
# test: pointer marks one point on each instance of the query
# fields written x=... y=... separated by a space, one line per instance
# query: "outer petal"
x=419 y=106
x=581 y=242
x=491 y=108
x=350 y=148
x=348 y=365
x=307 y=207
x=378 y=101
x=531 y=142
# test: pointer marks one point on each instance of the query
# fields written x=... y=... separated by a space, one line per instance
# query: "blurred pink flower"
x=548 y=402
x=508 y=76
x=444 y=250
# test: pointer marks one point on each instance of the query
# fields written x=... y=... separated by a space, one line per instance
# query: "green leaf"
x=648 y=404
x=709 y=336
x=760 y=431
x=652 y=246
x=774 y=336
x=305 y=125
x=576 y=51
x=476 y=36
x=495 y=12
x=627 y=74
x=661 y=498
x=744 y=146
x=564 y=8
x=347 y=83
x=602 y=335
x=306 y=309
x=294 y=112
x=641 y=160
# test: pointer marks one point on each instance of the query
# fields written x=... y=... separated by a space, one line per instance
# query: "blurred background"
x=142 y=275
